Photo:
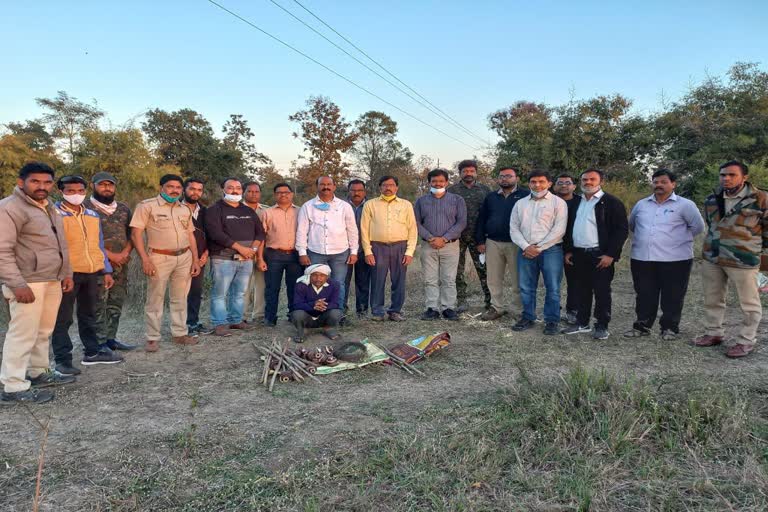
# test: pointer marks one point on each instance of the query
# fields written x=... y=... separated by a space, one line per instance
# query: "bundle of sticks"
x=281 y=363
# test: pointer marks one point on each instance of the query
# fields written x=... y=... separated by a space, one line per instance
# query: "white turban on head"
x=320 y=267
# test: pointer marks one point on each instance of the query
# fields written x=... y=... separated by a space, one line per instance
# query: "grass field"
x=502 y=421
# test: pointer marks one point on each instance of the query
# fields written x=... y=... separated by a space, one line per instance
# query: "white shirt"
x=585 y=225
x=331 y=231
x=539 y=222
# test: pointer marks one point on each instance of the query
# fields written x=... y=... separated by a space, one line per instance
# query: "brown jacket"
x=33 y=248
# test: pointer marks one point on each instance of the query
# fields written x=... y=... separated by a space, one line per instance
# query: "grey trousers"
x=439 y=266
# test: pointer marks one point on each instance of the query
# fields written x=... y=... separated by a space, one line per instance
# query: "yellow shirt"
x=387 y=222
x=167 y=224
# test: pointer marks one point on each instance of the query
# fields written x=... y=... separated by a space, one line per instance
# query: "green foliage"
x=15 y=151
x=184 y=138
x=125 y=154
x=67 y=118
x=327 y=137
x=377 y=150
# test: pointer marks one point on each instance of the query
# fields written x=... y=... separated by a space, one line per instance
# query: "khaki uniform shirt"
x=167 y=224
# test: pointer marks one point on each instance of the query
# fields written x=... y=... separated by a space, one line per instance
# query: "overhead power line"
x=318 y=18
x=351 y=82
x=427 y=106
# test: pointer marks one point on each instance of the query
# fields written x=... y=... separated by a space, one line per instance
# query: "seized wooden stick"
x=293 y=363
x=401 y=362
x=274 y=375
x=267 y=360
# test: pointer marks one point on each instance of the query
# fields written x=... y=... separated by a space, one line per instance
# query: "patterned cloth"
x=736 y=237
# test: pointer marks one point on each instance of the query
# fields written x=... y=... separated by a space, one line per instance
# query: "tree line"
x=719 y=119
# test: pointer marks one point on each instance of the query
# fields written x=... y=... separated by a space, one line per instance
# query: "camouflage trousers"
x=467 y=241
x=111 y=306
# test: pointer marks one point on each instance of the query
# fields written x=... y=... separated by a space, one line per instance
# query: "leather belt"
x=589 y=250
x=169 y=253
x=390 y=243
x=282 y=251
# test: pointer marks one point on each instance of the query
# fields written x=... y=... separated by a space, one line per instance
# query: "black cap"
x=103 y=176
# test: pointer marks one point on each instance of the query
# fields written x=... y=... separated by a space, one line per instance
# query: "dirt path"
x=119 y=422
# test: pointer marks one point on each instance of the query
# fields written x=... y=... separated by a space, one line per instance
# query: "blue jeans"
x=550 y=264
x=338 y=264
x=230 y=280
x=279 y=263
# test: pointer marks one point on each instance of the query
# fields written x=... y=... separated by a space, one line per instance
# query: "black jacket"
x=612 y=225
x=227 y=224
x=494 y=214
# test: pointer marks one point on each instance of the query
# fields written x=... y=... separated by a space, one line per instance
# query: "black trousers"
x=589 y=281
x=194 y=298
x=87 y=294
x=665 y=280
x=363 y=276
x=570 y=303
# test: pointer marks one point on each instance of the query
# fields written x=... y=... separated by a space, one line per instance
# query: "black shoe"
x=35 y=396
x=119 y=345
x=523 y=324
x=430 y=314
x=270 y=323
x=67 y=369
x=551 y=328
x=600 y=333
x=450 y=314
x=203 y=330
x=102 y=357
x=50 y=378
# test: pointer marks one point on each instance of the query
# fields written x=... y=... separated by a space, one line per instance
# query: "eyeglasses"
x=506 y=176
x=563 y=183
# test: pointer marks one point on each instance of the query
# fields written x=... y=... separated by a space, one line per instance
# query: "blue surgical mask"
x=323 y=206
x=436 y=190
x=169 y=198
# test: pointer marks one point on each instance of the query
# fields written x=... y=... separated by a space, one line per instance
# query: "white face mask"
x=75 y=199
x=590 y=190
x=437 y=190
x=539 y=194
x=232 y=198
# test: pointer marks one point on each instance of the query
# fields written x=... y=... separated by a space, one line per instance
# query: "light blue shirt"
x=585 y=225
x=664 y=231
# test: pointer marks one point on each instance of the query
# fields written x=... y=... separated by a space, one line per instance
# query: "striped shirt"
x=440 y=217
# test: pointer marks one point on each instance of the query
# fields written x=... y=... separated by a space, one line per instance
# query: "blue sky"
x=468 y=58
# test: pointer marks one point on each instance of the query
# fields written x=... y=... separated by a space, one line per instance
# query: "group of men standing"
x=67 y=258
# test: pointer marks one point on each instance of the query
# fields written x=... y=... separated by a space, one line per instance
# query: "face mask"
x=589 y=190
x=169 y=198
x=233 y=198
x=76 y=199
x=388 y=198
x=323 y=206
x=539 y=194
x=436 y=190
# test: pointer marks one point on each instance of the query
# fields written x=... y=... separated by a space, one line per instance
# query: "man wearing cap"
x=34 y=271
x=316 y=302
x=170 y=255
x=92 y=274
x=115 y=227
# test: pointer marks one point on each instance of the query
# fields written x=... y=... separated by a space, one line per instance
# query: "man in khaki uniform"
x=170 y=255
x=253 y=311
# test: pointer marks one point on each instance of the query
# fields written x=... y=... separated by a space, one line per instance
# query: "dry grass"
x=501 y=422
